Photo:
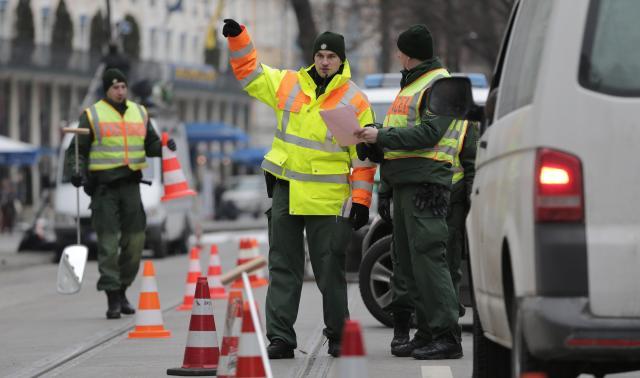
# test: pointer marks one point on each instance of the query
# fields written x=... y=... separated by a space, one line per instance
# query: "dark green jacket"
x=425 y=135
x=152 y=146
x=468 y=154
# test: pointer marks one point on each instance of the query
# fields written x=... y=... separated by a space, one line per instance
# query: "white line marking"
x=436 y=372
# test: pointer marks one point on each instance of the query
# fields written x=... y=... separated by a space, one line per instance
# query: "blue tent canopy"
x=249 y=156
x=214 y=132
x=13 y=152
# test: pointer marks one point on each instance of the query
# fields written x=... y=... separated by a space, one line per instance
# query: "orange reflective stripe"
x=245 y=65
x=334 y=97
x=240 y=41
x=363 y=174
x=286 y=85
x=109 y=129
x=400 y=105
x=359 y=102
x=361 y=196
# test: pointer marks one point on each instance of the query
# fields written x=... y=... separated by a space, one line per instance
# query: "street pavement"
x=47 y=334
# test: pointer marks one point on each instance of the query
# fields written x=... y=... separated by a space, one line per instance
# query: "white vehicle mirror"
x=71 y=269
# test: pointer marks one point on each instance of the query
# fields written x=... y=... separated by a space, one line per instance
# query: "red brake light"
x=559 y=194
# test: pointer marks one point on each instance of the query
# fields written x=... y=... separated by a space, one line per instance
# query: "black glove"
x=359 y=215
x=363 y=150
x=77 y=180
x=384 y=206
x=231 y=28
x=436 y=197
x=373 y=152
x=172 y=144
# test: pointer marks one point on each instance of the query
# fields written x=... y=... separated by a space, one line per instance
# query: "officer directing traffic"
x=111 y=158
x=416 y=171
x=316 y=184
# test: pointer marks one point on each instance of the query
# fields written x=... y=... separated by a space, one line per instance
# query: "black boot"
x=401 y=325
x=279 y=349
x=125 y=306
x=405 y=350
x=334 y=348
x=113 y=300
x=442 y=348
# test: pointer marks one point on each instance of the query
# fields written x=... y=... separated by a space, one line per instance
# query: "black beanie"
x=416 y=42
x=112 y=76
x=330 y=41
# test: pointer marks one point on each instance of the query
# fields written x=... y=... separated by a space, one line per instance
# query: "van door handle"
x=483 y=144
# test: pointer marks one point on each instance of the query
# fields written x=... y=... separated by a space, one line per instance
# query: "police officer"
x=111 y=158
x=311 y=179
x=419 y=150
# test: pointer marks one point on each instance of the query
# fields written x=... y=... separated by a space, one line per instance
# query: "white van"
x=554 y=226
x=169 y=224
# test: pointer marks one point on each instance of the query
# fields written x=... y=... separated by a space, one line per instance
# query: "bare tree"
x=306 y=25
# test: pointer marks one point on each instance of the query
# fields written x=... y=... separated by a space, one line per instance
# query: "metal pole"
x=256 y=323
x=77 y=192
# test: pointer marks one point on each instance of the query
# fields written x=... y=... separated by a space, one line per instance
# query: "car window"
x=610 y=60
x=524 y=56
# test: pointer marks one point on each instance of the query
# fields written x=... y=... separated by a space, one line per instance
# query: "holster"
x=270 y=181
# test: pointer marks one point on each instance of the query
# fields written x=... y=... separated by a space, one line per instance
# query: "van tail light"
x=559 y=195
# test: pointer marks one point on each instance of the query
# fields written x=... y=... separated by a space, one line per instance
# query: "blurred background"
x=177 y=63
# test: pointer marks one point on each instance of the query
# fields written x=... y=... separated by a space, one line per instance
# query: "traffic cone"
x=249 y=359
x=149 y=317
x=201 y=353
x=213 y=274
x=533 y=374
x=248 y=251
x=352 y=362
x=192 y=277
x=229 y=346
x=175 y=185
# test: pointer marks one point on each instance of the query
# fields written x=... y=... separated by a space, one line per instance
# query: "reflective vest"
x=458 y=171
x=324 y=178
x=405 y=112
x=118 y=140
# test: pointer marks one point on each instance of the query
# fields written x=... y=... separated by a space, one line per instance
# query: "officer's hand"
x=231 y=28
x=384 y=206
x=421 y=198
x=363 y=150
x=367 y=134
x=359 y=215
x=76 y=180
x=172 y=144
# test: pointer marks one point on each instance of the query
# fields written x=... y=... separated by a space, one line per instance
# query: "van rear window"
x=610 y=61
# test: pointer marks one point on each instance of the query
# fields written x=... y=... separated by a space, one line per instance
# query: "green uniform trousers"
x=119 y=220
x=327 y=237
x=421 y=277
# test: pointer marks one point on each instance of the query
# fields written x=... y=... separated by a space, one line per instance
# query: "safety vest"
x=405 y=112
x=458 y=171
x=304 y=152
x=118 y=140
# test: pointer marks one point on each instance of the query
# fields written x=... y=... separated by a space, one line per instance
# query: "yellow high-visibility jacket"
x=324 y=177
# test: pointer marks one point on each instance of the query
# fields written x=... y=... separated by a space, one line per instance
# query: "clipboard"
x=343 y=123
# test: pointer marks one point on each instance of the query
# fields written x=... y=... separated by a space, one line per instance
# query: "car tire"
x=490 y=360
x=159 y=246
x=375 y=279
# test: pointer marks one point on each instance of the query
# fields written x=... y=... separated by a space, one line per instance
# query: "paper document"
x=342 y=122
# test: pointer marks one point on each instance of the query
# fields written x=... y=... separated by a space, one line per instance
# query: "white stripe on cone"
x=248 y=345
x=214 y=282
x=202 y=306
x=173 y=177
x=202 y=339
x=190 y=290
x=245 y=254
x=149 y=285
x=349 y=367
x=148 y=317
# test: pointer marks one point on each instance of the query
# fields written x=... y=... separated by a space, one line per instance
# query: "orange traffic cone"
x=175 y=185
x=352 y=362
x=192 y=277
x=249 y=359
x=533 y=374
x=229 y=346
x=201 y=353
x=248 y=251
x=149 y=317
x=213 y=273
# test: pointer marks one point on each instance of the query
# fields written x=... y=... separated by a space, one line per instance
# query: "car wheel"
x=159 y=247
x=375 y=279
x=490 y=360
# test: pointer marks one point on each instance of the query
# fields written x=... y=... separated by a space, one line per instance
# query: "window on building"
x=183 y=44
x=82 y=26
x=153 y=39
x=3 y=8
x=168 y=52
x=46 y=21
x=4 y=107
x=196 y=49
